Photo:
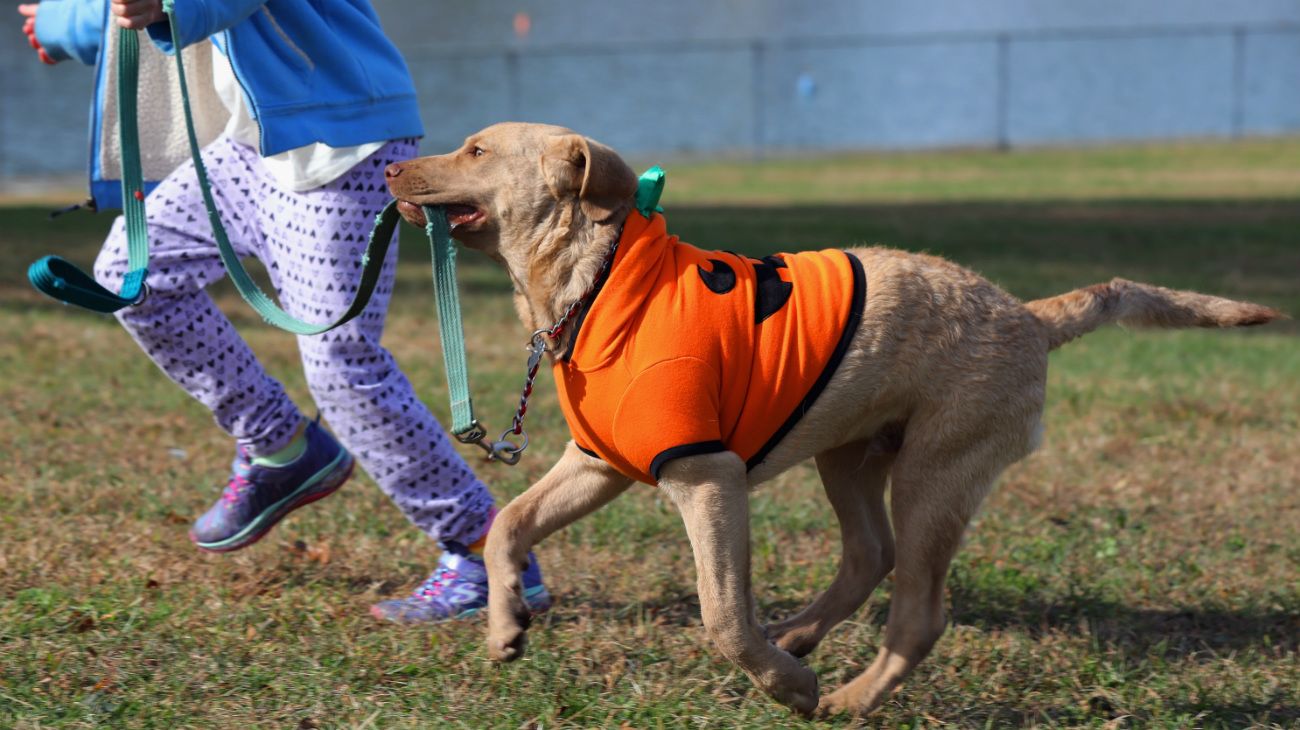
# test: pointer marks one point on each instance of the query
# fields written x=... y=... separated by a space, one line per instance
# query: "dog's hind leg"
x=576 y=486
x=712 y=494
x=936 y=488
x=854 y=476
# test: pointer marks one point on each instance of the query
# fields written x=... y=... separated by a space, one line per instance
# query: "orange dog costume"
x=685 y=352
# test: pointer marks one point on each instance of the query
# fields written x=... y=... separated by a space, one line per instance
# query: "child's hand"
x=29 y=30
x=137 y=14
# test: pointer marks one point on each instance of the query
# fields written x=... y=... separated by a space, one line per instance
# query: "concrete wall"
x=694 y=76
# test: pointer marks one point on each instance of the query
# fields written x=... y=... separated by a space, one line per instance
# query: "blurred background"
x=756 y=77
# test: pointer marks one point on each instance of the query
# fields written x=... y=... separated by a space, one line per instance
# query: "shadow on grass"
x=1099 y=708
x=1134 y=635
x=1241 y=714
x=1181 y=632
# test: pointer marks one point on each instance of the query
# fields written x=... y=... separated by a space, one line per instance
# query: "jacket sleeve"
x=199 y=19
x=71 y=28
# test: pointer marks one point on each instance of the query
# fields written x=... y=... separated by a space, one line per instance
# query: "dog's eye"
x=477 y=152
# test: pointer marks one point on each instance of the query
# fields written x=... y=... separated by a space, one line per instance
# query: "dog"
x=933 y=382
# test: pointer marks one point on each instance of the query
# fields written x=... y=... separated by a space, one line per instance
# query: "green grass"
x=1142 y=569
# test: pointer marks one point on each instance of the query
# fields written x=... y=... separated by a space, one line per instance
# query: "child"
x=305 y=103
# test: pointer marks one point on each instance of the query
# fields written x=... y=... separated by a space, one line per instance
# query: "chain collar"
x=538 y=343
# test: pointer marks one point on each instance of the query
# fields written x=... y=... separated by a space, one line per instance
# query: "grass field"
x=1141 y=570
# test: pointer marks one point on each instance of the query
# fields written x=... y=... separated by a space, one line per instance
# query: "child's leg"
x=313 y=245
x=177 y=325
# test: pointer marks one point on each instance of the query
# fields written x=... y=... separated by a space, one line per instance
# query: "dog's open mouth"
x=463 y=216
x=458 y=216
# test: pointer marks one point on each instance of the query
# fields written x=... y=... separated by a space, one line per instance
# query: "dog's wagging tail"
x=1074 y=314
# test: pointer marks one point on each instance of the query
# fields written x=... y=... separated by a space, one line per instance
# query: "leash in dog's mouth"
x=459 y=215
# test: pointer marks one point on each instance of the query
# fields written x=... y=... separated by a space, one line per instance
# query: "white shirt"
x=298 y=169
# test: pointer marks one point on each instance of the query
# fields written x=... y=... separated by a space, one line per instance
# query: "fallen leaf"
x=319 y=553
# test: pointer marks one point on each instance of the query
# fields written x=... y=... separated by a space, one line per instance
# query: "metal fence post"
x=513 y=100
x=1003 y=90
x=1238 y=81
x=757 y=82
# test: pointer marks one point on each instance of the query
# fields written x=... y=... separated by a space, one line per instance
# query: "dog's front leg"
x=576 y=486
x=712 y=493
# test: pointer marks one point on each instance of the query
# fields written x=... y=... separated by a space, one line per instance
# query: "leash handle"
x=62 y=279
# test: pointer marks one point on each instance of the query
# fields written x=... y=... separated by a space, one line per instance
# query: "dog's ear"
x=573 y=164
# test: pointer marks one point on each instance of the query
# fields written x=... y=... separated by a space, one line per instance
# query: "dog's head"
x=512 y=187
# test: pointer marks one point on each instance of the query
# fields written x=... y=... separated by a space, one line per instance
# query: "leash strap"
x=372 y=261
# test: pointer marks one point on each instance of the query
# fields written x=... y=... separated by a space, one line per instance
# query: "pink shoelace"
x=434 y=584
x=234 y=488
x=239 y=480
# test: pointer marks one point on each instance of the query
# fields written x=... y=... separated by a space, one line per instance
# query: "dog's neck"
x=560 y=270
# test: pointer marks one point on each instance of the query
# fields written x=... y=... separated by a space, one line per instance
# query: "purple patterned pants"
x=310 y=243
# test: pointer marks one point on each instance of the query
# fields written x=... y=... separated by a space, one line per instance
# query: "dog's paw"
x=826 y=710
x=843 y=702
x=831 y=705
x=508 y=648
x=795 y=639
x=798 y=690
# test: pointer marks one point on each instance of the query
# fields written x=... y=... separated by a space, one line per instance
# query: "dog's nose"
x=393 y=170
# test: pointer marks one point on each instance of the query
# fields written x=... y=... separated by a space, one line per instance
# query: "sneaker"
x=259 y=496
x=458 y=589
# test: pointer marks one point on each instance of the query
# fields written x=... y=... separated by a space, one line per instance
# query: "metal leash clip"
x=145 y=291
x=506 y=451
x=474 y=435
x=502 y=450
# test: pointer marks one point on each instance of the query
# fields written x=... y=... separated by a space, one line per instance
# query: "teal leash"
x=372 y=261
x=451 y=329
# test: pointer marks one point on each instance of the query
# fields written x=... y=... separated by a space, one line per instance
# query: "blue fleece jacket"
x=311 y=70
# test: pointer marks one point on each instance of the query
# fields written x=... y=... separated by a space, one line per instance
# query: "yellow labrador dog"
x=940 y=388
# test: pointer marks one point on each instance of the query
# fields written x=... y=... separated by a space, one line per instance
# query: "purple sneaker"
x=259 y=496
x=457 y=589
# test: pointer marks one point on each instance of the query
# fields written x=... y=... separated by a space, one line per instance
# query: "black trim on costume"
x=721 y=280
x=587 y=451
x=846 y=337
x=677 y=452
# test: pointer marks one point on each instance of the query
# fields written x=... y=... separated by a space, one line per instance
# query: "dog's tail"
x=1081 y=311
